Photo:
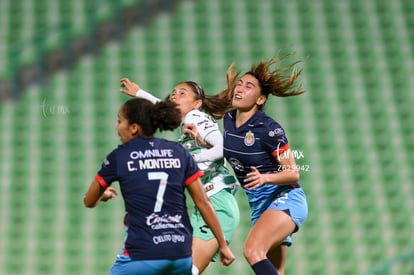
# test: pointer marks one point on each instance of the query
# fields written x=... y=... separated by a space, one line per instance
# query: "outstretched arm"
x=133 y=89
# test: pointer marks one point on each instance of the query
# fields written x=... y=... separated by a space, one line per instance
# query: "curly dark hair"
x=163 y=115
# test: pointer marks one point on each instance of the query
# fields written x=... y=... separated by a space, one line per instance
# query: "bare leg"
x=203 y=251
x=269 y=231
x=278 y=255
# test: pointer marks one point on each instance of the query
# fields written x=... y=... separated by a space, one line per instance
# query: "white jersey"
x=209 y=159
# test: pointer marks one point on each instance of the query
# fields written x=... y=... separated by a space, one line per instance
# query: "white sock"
x=194 y=270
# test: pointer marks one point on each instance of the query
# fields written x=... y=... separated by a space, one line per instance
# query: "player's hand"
x=109 y=193
x=128 y=87
x=190 y=130
x=254 y=179
x=226 y=256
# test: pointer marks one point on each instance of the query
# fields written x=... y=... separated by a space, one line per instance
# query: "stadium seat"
x=353 y=125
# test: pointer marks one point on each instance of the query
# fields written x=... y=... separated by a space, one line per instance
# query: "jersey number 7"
x=162 y=177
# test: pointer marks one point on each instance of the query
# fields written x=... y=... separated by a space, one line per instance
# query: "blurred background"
x=353 y=129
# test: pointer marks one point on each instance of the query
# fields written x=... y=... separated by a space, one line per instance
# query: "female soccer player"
x=257 y=148
x=201 y=110
x=153 y=174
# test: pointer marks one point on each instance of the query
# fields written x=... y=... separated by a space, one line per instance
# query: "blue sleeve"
x=108 y=172
x=192 y=171
x=275 y=142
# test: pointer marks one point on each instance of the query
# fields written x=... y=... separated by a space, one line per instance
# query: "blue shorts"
x=180 y=266
x=292 y=202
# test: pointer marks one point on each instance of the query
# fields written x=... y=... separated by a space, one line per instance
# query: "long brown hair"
x=214 y=105
x=279 y=81
x=275 y=81
x=217 y=105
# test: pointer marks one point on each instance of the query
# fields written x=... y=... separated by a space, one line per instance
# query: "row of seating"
x=351 y=130
x=31 y=28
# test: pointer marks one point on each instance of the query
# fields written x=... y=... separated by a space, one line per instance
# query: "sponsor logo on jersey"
x=106 y=162
x=236 y=164
x=277 y=132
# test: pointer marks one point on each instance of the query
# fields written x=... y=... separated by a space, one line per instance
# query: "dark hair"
x=212 y=105
x=163 y=115
x=197 y=89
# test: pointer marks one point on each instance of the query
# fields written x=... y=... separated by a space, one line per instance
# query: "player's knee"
x=253 y=254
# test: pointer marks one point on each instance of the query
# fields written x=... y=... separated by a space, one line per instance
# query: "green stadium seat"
x=354 y=124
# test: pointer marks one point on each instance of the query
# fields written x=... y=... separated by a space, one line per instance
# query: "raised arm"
x=133 y=89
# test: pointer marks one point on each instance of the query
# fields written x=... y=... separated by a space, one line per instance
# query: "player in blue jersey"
x=258 y=150
x=153 y=174
x=201 y=110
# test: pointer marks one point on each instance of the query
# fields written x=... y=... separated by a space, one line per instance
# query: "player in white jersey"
x=199 y=109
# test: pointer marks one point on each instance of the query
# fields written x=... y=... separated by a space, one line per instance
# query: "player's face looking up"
x=247 y=93
x=185 y=98
x=125 y=130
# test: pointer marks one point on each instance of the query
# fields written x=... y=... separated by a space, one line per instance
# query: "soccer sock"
x=264 y=267
x=194 y=270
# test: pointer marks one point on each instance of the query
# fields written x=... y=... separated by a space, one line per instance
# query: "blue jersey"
x=152 y=174
x=259 y=142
